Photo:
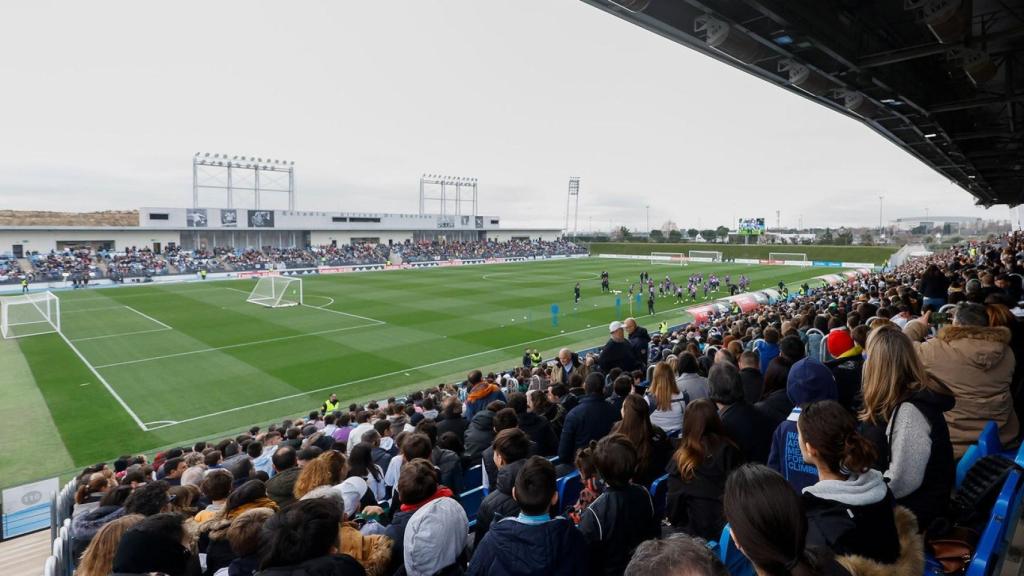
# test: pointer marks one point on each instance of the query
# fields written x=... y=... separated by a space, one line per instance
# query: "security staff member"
x=536 y=358
x=330 y=405
x=24 y=285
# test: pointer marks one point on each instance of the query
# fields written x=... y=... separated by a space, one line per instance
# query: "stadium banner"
x=196 y=217
x=804 y=263
x=746 y=261
x=827 y=264
x=228 y=218
x=700 y=259
x=858 y=265
x=747 y=302
x=26 y=508
x=261 y=218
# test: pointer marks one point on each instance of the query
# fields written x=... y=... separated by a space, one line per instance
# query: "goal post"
x=787 y=256
x=276 y=292
x=705 y=256
x=668 y=258
x=29 y=315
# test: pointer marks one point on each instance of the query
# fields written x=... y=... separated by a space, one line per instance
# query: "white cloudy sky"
x=105 y=102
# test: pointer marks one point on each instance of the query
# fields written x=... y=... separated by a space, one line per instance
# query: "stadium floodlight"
x=277 y=292
x=29 y=315
x=930 y=135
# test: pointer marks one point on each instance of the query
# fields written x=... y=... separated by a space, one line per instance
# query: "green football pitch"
x=142 y=367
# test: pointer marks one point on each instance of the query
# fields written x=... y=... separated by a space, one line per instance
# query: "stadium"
x=242 y=380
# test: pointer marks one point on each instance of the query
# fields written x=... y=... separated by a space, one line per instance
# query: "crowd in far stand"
x=340 y=255
x=427 y=251
x=823 y=429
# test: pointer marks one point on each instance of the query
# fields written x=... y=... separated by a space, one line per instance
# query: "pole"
x=648 y=218
x=880 y=199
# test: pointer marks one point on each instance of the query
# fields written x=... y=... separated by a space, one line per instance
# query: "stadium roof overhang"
x=942 y=79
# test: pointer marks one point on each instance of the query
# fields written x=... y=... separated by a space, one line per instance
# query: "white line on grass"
x=120 y=334
x=379 y=376
x=106 y=385
x=374 y=320
x=66 y=311
x=148 y=317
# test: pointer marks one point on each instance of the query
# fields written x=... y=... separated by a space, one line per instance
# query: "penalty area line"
x=96 y=373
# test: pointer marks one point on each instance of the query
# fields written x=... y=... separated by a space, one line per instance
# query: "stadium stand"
x=895 y=394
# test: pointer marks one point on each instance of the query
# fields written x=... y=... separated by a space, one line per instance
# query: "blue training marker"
x=554 y=314
x=618 y=306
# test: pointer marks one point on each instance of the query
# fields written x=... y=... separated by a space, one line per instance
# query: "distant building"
x=956 y=223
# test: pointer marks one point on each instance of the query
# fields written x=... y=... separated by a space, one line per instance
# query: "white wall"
x=46 y=240
x=506 y=235
x=322 y=238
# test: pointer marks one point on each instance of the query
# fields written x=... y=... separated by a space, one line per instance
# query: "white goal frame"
x=277 y=292
x=788 y=256
x=38 y=313
x=668 y=259
x=705 y=256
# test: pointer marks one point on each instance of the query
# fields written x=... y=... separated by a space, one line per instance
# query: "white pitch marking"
x=106 y=384
x=121 y=334
x=374 y=320
x=148 y=317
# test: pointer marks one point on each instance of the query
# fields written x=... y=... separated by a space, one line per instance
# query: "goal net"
x=29 y=315
x=668 y=258
x=787 y=256
x=276 y=292
x=705 y=256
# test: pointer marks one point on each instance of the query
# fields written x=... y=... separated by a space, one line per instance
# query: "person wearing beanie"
x=846 y=347
x=809 y=381
x=436 y=538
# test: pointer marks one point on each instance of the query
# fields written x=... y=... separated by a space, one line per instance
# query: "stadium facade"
x=240 y=228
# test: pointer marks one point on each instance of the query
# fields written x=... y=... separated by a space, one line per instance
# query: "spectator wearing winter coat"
x=592 y=419
x=537 y=427
x=791 y=350
x=750 y=375
x=480 y=432
x=689 y=382
x=281 y=487
x=569 y=363
x=698 y=470
x=747 y=426
x=653 y=446
x=481 y=393
x=511 y=449
x=155 y=545
x=618 y=352
x=904 y=419
x=532 y=542
x=974 y=362
x=667 y=402
x=850 y=509
x=768 y=348
x=300 y=541
x=448 y=463
x=848 y=364
x=505 y=418
x=809 y=381
x=639 y=337
x=435 y=539
x=417 y=486
x=623 y=515
x=451 y=419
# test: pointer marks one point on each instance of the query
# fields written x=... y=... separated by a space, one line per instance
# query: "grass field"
x=873 y=254
x=137 y=368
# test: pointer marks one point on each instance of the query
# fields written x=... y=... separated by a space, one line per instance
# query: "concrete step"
x=25 y=555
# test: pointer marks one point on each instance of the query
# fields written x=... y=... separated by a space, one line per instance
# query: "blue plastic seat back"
x=569 y=488
x=988 y=442
x=659 y=495
x=473 y=477
x=970 y=457
x=993 y=541
x=735 y=562
x=471 y=501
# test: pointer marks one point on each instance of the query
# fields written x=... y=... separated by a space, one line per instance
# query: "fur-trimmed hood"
x=988 y=333
x=911 y=560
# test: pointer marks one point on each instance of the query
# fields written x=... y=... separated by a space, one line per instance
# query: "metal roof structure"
x=942 y=79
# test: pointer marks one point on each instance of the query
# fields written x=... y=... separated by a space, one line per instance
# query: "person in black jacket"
x=591 y=420
x=505 y=418
x=511 y=448
x=750 y=375
x=850 y=508
x=618 y=352
x=653 y=446
x=623 y=515
x=448 y=463
x=697 y=472
x=532 y=543
x=537 y=427
x=480 y=432
x=302 y=540
x=639 y=338
x=451 y=419
x=747 y=426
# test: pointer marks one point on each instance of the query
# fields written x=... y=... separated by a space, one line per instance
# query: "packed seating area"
x=56 y=265
x=9 y=270
x=428 y=251
x=861 y=428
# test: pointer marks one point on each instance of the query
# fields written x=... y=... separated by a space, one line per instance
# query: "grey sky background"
x=105 y=103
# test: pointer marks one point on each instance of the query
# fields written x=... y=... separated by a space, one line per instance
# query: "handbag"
x=953 y=549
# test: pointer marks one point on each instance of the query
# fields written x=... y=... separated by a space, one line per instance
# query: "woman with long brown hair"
x=904 y=419
x=98 y=559
x=652 y=444
x=698 y=470
x=326 y=469
x=665 y=400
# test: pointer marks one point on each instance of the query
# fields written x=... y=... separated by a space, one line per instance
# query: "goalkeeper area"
x=107 y=371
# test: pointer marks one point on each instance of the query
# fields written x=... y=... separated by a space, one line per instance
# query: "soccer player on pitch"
x=576 y=292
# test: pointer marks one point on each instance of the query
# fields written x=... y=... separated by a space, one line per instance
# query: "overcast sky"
x=104 y=104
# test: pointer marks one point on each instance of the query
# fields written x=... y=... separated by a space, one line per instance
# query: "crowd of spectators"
x=830 y=459
x=427 y=251
x=55 y=266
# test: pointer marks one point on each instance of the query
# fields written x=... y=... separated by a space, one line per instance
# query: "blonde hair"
x=892 y=373
x=326 y=469
x=98 y=558
x=663 y=386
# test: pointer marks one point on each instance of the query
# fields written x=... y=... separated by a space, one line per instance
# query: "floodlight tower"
x=574 y=191
x=466 y=192
x=244 y=173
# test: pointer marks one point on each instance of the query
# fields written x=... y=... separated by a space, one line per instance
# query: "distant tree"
x=621 y=234
x=675 y=235
x=657 y=236
x=844 y=238
x=668 y=227
x=867 y=239
x=692 y=233
x=722 y=232
x=826 y=237
x=708 y=234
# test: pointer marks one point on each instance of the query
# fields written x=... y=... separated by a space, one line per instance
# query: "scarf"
x=481 y=392
x=442 y=492
x=855 y=351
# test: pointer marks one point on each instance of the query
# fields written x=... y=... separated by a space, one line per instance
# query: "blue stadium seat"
x=471 y=502
x=970 y=457
x=473 y=477
x=992 y=546
x=735 y=562
x=569 y=488
x=659 y=494
x=989 y=442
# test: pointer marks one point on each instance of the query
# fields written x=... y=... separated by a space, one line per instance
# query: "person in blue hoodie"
x=809 y=381
x=533 y=542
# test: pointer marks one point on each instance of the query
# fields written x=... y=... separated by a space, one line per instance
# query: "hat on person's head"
x=435 y=537
x=615 y=327
x=839 y=342
x=810 y=381
x=416 y=418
